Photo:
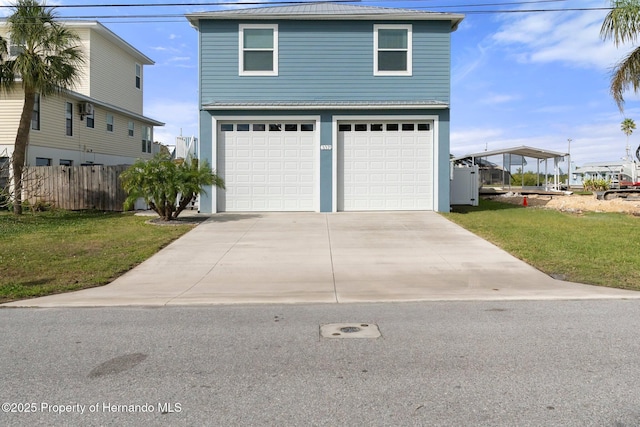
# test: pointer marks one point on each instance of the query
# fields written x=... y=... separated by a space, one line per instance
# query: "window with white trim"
x=131 y=128
x=392 y=50
x=146 y=139
x=91 y=123
x=14 y=48
x=258 y=54
x=68 y=118
x=109 y=122
x=138 y=76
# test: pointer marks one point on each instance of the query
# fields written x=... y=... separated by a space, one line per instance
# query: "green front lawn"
x=593 y=248
x=59 y=251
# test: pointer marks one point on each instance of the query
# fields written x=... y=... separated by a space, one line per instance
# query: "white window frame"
x=138 y=77
x=241 y=69
x=68 y=119
x=110 y=122
x=131 y=129
x=409 y=50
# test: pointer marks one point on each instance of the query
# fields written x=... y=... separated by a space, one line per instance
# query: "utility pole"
x=569 y=162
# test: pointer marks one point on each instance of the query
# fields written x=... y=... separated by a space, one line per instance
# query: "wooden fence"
x=75 y=187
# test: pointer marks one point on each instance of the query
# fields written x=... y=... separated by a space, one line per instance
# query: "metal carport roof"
x=524 y=151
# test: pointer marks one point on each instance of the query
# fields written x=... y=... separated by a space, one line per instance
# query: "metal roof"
x=308 y=105
x=525 y=151
x=327 y=11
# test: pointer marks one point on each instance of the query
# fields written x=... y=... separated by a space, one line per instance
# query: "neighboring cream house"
x=100 y=121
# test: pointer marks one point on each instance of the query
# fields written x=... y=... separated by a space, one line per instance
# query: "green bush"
x=166 y=185
x=596 y=184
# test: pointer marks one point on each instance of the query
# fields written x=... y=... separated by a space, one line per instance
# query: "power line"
x=168 y=17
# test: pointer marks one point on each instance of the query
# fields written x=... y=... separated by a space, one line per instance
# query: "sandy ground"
x=573 y=203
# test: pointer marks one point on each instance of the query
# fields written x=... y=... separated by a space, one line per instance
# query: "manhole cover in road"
x=349 y=330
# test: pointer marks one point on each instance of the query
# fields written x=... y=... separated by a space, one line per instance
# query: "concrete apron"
x=326 y=258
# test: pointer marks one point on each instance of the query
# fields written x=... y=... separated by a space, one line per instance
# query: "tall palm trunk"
x=20 y=149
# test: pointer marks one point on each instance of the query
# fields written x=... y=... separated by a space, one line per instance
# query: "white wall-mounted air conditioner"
x=86 y=108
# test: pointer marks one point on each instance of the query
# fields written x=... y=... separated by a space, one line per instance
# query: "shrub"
x=166 y=185
x=596 y=184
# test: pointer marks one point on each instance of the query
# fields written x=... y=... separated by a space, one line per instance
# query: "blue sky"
x=518 y=78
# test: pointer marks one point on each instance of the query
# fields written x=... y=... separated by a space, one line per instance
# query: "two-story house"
x=325 y=107
x=99 y=121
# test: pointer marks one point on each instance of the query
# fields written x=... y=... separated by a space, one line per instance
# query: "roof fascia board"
x=455 y=19
x=85 y=98
x=327 y=107
x=111 y=36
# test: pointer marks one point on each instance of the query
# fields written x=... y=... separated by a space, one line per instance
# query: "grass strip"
x=592 y=248
x=60 y=251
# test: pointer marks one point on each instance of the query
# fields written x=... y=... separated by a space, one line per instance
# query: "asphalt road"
x=524 y=363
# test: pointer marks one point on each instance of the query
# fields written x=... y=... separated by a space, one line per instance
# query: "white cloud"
x=572 y=38
x=473 y=140
x=5 y=11
x=493 y=99
x=468 y=63
x=179 y=118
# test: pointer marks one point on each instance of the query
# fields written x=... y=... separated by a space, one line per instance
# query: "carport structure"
x=516 y=157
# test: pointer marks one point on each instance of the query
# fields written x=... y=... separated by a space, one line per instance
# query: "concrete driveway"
x=327 y=258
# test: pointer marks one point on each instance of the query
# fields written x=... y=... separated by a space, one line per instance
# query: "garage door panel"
x=266 y=168
x=385 y=170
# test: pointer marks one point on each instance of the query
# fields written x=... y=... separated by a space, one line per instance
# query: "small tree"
x=47 y=62
x=628 y=126
x=167 y=186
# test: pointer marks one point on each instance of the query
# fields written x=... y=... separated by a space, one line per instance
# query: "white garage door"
x=267 y=166
x=385 y=166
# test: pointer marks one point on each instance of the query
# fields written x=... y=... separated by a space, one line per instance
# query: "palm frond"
x=626 y=75
x=622 y=23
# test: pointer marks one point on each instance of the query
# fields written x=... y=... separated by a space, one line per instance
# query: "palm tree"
x=166 y=185
x=628 y=126
x=47 y=63
x=622 y=25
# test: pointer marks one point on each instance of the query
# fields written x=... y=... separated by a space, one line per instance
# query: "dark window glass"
x=242 y=127
x=376 y=128
x=344 y=128
x=291 y=128
x=35 y=116
x=424 y=126
x=69 y=119
x=306 y=127
x=392 y=127
x=275 y=127
x=408 y=126
x=361 y=128
x=226 y=127
x=259 y=127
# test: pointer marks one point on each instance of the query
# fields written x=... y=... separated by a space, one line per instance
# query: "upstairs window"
x=35 y=114
x=68 y=118
x=15 y=48
x=392 y=53
x=109 y=122
x=138 y=76
x=131 y=128
x=258 y=50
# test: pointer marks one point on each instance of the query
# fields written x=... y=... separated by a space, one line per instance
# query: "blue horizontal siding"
x=324 y=61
